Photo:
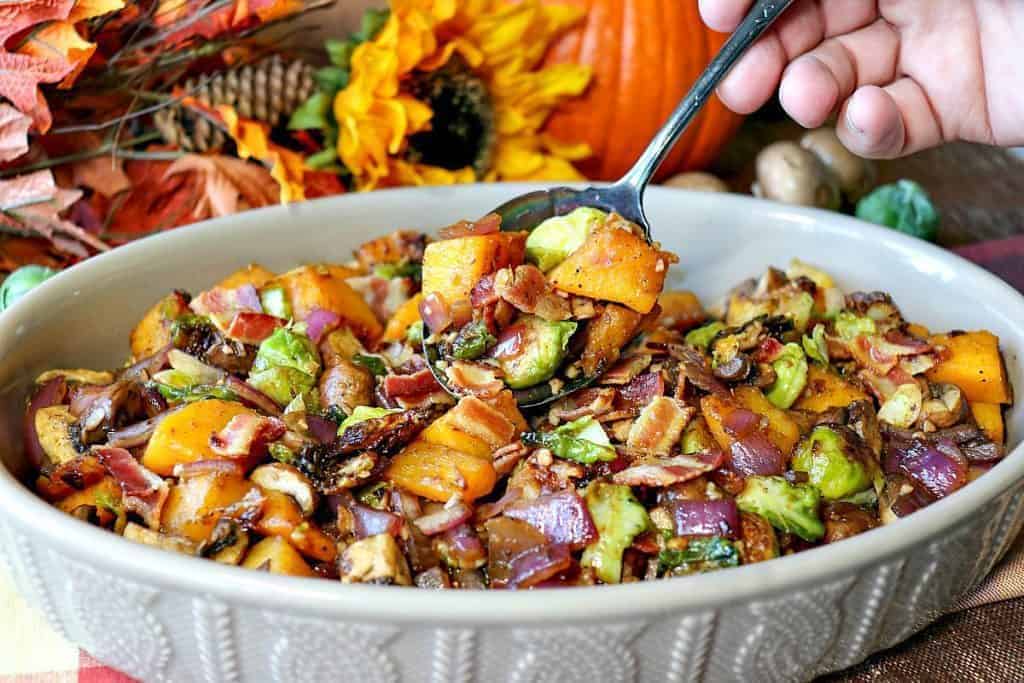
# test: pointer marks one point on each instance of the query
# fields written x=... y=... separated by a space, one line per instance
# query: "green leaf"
x=373 y=22
x=619 y=517
x=312 y=114
x=902 y=206
x=324 y=160
x=702 y=336
x=340 y=51
x=372 y=363
x=331 y=79
x=191 y=394
x=472 y=341
x=583 y=441
x=281 y=453
x=700 y=555
x=403 y=269
x=816 y=346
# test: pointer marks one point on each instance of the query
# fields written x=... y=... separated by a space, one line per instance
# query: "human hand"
x=903 y=75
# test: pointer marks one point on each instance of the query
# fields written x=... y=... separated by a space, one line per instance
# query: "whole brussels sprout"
x=902 y=206
x=790 y=368
x=792 y=508
x=831 y=463
x=21 y=281
x=619 y=518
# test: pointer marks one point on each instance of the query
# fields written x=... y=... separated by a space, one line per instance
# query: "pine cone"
x=268 y=90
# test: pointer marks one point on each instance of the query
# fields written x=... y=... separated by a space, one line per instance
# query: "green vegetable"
x=544 y=348
x=902 y=206
x=792 y=508
x=619 y=518
x=191 y=394
x=702 y=336
x=700 y=555
x=553 y=240
x=275 y=302
x=827 y=459
x=21 y=281
x=868 y=498
x=364 y=413
x=282 y=384
x=103 y=499
x=815 y=346
x=414 y=335
x=373 y=495
x=472 y=341
x=790 y=376
x=335 y=414
x=286 y=365
x=374 y=364
x=389 y=271
x=583 y=440
x=799 y=309
x=281 y=453
x=850 y=326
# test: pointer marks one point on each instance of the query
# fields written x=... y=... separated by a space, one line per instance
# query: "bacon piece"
x=252 y=328
x=401 y=246
x=489 y=224
x=529 y=291
x=626 y=370
x=221 y=305
x=421 y=382
x=478 y=379
x=661 y=472
x=476 y=418
x=483 y=293
x=507 y=457
x=660 y=425
x=143 y=491
x=643 y=389
x=592 y=401
x=246 y=436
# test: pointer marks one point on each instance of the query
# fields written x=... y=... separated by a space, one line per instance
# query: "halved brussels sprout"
x=552 y=241
x=849 y=326
x=702 y=336
x=619 y=518
x=790 y=368
x=829 y=461
x=543 y=349
x=792 y=508
x=583 y=440
x=815 y=346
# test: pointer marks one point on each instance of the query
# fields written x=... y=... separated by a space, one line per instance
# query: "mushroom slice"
x=227 y=543
x=140 y=534
x=376 y=559
x=81 y=376
x=53 y=427
x=284 y=478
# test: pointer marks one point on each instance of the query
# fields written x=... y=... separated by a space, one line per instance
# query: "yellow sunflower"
x=452 y=91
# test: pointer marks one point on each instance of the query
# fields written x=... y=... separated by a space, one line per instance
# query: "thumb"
x=888 y=122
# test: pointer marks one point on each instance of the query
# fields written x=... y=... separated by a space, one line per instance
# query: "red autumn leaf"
x=103 y=174
x=229 y=184
x=17 y=16
x=13 y=132
x=20 y=76
x=33 y=202
x=176 y=15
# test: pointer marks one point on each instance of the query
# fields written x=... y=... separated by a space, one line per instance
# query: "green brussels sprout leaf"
x=700 y=555
x=472 y=341
x=701 y=337
x=583 y=441
x=364 y=413
x=619 y=519
x=554 y=239
x=849 y=326
x=815 y=345
x=790 y=376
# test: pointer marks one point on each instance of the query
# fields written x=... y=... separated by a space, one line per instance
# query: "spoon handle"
x=761 y=15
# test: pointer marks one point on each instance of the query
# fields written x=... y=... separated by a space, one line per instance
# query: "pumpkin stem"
x=462 y=129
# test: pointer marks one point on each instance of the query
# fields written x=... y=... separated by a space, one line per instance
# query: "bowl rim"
x=64 y=534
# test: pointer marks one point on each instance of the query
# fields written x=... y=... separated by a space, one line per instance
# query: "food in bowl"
x=295 y=422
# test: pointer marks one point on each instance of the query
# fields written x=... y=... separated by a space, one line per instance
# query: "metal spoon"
x=625 y=197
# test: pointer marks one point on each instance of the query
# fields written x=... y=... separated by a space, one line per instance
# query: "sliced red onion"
x=371 y=522
x=489 y=224
x=435 y=313
x=49 y=394
x=706 y=517
x=421 y=382
x=643 y=389
x=137 y=434
x=252 y=396
x=321 y=429
x=143 y=491
x=755 y=454
x=483 y=293
x=562 y=517
x=464 y=546
x=319 y=322
x=489 y=510
x=444 y=519
x=147 y=367
x=740 y=422
x=538 y=565
x=194 y=368
x=247 y=296
x=510 y=342
x=199 y=467
x=405 y=504
x=940 y=467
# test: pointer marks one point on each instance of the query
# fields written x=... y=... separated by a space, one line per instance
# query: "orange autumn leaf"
x=87 y=9
x=20 y=76
x=60 y=40
x=229 y=185
x=232 y=17
x=253 y=141
x=18 y=16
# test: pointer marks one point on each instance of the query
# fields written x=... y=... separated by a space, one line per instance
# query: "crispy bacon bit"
x=593 y=401
x=487 y=225
x=476 y=418
x=662 y=472
x=252 y=328
x=184 y=470
x=435 y=313
x=660 y=425
x=143 y=491
x=769 y=350
x=478 y=379
x=529 y=291
x=483 y=292
x=626 y=370
x=247 y=436
x=417 y=383
x=562 y=517
x=506 y=457
x=643 y=389
x=221 y=305
x=401 y=246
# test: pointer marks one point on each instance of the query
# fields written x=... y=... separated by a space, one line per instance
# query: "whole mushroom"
x=697 y=180
x=786 y=172
x=856 y=176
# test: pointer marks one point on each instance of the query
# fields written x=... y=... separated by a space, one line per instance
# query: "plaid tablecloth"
x=979 y=642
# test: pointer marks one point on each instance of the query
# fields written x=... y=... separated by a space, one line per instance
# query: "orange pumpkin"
x=645 y=55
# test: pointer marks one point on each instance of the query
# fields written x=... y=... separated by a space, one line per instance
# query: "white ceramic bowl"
x=160 y=616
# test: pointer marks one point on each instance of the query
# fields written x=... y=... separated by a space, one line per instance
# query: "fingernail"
x=852 y=125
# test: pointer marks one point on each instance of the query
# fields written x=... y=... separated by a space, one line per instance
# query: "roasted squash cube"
x=154 y=330
x=989 y=417
x=439 y=472
x=452 y=267
x=253 y=274
x=324 y=287
x=277 y=556
x=975 y=365
x=195 y=503
x=184 y=436
x=825 y=389
x=407 y=314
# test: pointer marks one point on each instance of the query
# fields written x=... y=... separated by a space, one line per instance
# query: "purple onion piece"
x=136 y=434
x=562 y=517
x=444 y=519
x=371 y=522
x=50 y=394
x=321 y=429
x=538 y=565
x=249 y=394
x=755 y=454
x=940 y=468
x=319 y=322
x=706 y=517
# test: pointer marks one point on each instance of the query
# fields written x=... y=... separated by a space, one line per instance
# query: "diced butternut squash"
x=605 y=336
x=184 y=436
x=282 y=517
x=975 y=365
x=989 y=417
x=407 y=314
x=253 y=274
x=438 y=472
x=681 y=310
x=277 y=556
x=614 y=265
x=782 y=429
x=452 y=267
x=195 y=503
x=445 y=432
x=154 y=330
x=826 y=389
x=106 y=490
x=715 y=409
x=324 y=287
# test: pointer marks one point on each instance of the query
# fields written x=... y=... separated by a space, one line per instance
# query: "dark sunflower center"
x=462 y=128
